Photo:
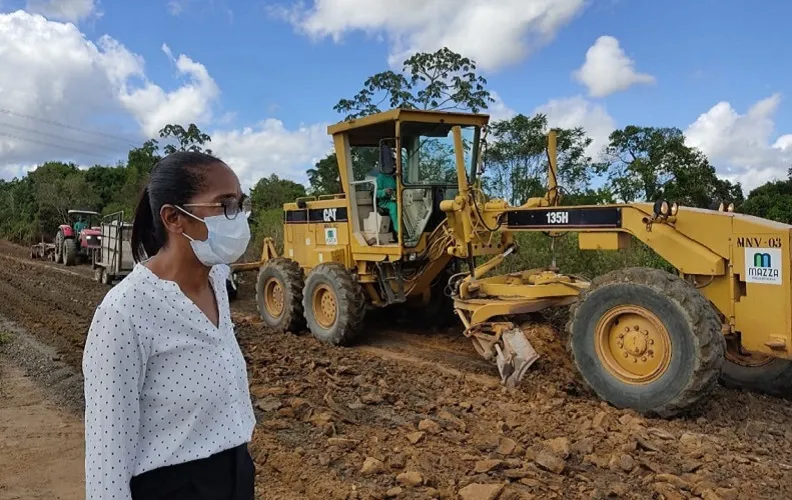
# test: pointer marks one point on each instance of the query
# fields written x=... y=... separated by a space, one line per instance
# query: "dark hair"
x=174 y=180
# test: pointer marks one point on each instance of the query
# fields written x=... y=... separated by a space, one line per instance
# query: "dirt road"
x=41 y=445
x=414 y=414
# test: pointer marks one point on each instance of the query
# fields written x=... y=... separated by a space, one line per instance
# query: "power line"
x=58 y=137
x=50 y=145
x=65 y=125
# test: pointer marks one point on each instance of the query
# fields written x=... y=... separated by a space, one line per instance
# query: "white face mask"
x=227 y=240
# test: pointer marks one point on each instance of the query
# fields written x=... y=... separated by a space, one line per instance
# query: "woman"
x=168 y=413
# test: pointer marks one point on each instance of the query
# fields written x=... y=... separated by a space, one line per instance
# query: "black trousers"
x=228 y=475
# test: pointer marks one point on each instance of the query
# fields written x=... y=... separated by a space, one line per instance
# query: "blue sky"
x=262 y=65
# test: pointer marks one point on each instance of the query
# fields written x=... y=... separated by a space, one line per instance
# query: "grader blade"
x=515 y=355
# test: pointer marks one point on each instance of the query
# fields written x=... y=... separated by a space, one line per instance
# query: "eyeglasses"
x=231 y=207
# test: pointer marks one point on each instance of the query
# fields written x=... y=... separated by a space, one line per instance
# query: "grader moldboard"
x=641 y=338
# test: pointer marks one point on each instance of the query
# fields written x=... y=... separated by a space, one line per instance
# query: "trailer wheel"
x=107 y=278
x=334 y=304
x=70 y=251
x=232 y=285
x=279 y=289
x=756 y=372
x=647 y=340
x=98 y=272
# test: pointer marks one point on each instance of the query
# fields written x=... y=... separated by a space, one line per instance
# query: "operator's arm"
x=113 y=367
x=384 y=182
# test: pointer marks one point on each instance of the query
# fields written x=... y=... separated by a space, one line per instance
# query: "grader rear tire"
x=757 y=372
x=334 y=304
x=279 y=295
x=647 y=340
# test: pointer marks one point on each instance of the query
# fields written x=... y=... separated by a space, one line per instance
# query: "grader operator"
x=640 y=338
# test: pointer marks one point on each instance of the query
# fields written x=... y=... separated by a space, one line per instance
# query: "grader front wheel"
x=647 y=340
x=279 y=291
x=334 y=304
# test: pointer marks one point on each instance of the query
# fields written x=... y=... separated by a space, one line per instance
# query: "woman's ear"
x=172 y=219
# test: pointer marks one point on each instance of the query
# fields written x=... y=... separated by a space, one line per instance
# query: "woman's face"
x=220 y=183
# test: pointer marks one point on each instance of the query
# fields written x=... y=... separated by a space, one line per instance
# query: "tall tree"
x=441 y=80
x=517 y=163
x=772 y=201
x=272 y=192
x=649 y=163
x=189 y=139
x=324 y=177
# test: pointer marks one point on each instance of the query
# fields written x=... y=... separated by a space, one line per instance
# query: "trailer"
x=113 y=260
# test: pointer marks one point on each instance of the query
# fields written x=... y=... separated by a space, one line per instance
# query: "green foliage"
x=324 y=177
x=272 y=192
x=649 y=163
x=771 y=201
x=441 y=80
x=189 y=139
x=517 y=162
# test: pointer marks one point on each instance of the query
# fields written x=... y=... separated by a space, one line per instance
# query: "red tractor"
x=79 y=240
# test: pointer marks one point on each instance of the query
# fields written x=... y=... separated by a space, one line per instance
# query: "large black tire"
x=691 y=324
x=59 y=238
x=773 y=378
x=331 y=284
x=70 y=251
x=281 y=279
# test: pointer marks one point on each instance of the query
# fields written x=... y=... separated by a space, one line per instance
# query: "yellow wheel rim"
x=325 y=308
x=273 y=297
x=633 y=344
x=738 y=356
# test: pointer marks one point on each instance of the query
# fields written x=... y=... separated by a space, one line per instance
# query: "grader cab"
x=641 y=338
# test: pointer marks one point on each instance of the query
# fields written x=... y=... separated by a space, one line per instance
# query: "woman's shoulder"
x=133 y=292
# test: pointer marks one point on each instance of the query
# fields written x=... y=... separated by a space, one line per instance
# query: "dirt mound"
x=369 y=426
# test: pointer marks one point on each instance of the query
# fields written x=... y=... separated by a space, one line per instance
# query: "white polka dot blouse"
x=163 y=385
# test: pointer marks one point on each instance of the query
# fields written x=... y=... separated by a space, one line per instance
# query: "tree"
x=190 y=139
x=442 y=80
x=649 y=163
x=324 y=177
x=272 y=192
x=517 y=163
x=771 y=201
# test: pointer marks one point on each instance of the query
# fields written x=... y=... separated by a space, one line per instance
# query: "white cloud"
x=176 y=7
x=65 y=10
x=607 y=69
x=494 y=34
x=51 y=73
x=498 y=110
x=67 y=98
x=741 y=146
x=153 y=107
x=577 y=111
x=255 y=152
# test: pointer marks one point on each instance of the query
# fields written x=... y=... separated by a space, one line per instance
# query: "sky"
x=86 y=80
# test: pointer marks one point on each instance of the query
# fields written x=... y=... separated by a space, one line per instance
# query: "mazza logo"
x=762 y=260
x=763 y=265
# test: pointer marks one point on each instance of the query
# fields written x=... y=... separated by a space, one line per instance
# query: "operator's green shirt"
x=385 y=181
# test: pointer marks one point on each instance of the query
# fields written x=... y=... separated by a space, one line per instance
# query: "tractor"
x=640 y=338
x=78 y=240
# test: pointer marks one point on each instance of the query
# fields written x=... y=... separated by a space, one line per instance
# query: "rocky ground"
x=411 y=413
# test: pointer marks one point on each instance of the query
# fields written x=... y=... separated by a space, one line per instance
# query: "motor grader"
x=641 y=338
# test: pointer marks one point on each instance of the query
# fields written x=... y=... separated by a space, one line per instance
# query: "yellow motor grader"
x=641 y=338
